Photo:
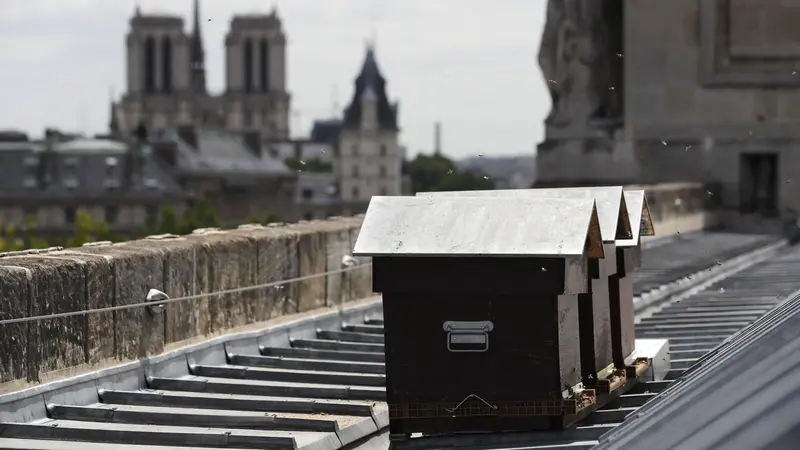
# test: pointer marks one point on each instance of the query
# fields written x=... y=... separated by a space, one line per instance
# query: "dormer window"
x=112 y=161
x=152 y=183
x=31 y=161
x=111 y=183
x=71 y=183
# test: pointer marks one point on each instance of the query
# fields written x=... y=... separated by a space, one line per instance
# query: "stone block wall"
x=103 y=275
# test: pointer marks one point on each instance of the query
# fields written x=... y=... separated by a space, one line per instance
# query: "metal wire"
x=183 y=299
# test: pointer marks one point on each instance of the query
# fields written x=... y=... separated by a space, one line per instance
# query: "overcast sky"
x=470 y=64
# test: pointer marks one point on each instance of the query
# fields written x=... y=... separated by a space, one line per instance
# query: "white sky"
x=470 y=64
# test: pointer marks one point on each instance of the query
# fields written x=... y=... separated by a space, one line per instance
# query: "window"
x=166 y=64
x=150 y=64
x=248 y=118
x=356 y=193
x=263 y=65
x=355 y=172
x=383 y=150
x=71 y=183
x=382 y=171
x=384 y=191
x=308 y=216
x=308 y=193
x=111 y=214
x=69 y=215
x=248 y=65
x=151 y=211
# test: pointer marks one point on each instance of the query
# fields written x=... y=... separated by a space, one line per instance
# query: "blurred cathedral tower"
x=167 y=76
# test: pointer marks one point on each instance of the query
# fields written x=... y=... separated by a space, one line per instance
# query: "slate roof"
x=323 y=188
x=326 y=131
x=84 y=168
x=370 y=83
x=223 y=153
x=611 y=207
x=504 y=227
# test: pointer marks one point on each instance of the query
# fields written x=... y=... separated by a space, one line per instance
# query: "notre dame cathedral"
x=166 y=77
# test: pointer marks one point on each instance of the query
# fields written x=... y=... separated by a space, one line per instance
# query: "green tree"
x=9 y=241
x=13 y=240
x=87 y=230
x=167 y=221
x=464 y=181
x=199 y=215
x=29 y=236
x=151 y=223
x=264 y=219
x=314 y=165
x=438 y=173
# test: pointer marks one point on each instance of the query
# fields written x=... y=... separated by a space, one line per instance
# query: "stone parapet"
x=103 y=275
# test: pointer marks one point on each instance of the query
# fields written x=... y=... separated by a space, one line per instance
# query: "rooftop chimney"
x=167 y=151
x=252 y=139
x=437 y=138
x=48 y=162
x=189 y=135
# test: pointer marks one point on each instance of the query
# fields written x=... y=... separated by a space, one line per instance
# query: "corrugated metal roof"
x=324 y=391
x=441 y=226
x=612 y=210
x=745 y=394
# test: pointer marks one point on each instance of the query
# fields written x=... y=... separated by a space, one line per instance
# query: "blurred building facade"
x=679 y=91
x=166 y=76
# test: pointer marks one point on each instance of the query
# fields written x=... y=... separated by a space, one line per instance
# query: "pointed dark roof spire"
x=371 y=83
x=197 y=54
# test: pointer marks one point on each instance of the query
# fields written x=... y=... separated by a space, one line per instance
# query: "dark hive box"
x=480 y=300
x=597 y=351
x=629 y=258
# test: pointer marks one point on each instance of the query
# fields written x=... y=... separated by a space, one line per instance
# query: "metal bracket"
x=154 y=296
x=468 y=336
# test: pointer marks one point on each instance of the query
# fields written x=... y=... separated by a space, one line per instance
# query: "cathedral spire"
x=198 y=66
x=113 y=120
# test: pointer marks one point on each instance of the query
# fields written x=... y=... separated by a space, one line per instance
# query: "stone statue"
x=573 y=60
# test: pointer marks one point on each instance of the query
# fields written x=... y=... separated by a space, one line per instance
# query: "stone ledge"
x=102 y=275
